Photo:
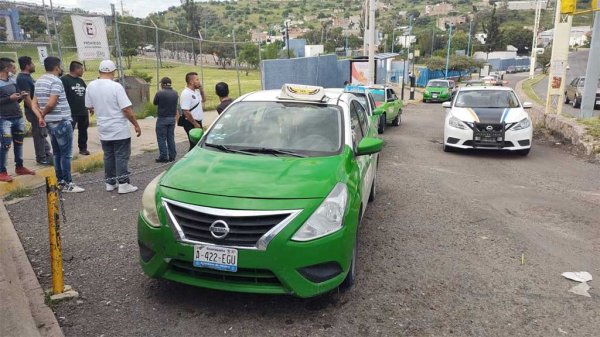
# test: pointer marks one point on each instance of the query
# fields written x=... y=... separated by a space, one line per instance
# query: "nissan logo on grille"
x=219 y=229
x=489 y=128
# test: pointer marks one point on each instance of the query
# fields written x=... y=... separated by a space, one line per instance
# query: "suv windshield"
x=486 y=99
x=442 y=84
x=278 y=129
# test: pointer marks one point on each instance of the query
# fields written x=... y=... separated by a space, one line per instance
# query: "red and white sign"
x=90 y=37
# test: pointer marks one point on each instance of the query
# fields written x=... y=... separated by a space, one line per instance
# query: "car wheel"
x=576 y=103
x=425 y=101
x=567 y=101
x=373 y=193
x=397 y=120
x=382 y=122
x=351 y=276
x=523 y=152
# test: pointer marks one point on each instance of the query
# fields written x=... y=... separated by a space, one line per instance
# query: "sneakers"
x=72 y=188
x=111 y=187
x=161 y=160
x=4 y=177
x=21 y=171
x=84 y=152
x=127 y=188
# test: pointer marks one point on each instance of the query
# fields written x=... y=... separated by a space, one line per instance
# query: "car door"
x=572 y=88
x=360 y=129
x=390 y=97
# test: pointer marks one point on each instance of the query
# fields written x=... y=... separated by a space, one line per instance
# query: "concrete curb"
x=24 y=312
x=564 y=128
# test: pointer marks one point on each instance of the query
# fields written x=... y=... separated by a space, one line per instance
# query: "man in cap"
x=166 y=100
x=108 y=100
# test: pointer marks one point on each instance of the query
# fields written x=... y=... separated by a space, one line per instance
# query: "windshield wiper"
x=274 y=152
x=228 y=149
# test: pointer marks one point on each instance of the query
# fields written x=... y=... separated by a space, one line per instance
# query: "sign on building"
x=42 y=53
x=90 y=38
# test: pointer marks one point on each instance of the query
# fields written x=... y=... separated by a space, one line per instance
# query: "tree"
x=67 y=35
x=544 y=59
x=249 y=55
x=31 y=23
x=129 y=53
x=493 y=40
x=519 y=38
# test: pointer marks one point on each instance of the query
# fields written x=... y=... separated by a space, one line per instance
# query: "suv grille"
x=245 y=228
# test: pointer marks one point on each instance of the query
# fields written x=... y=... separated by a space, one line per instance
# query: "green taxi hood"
x=261 y=176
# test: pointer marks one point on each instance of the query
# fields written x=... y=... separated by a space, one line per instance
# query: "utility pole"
x=237 y=64
x=470 y=32
x=371 y=42
x=201 y=56
x=408 y=52
x=366 y=28
x=155 y=54
x=536 y=27
x=448 y=52
x=56 y=30
x=592 y=73
x=122 y=9
x=558 y=61
x=432 y=40
x=118 y=46
x=48 y=27
x=287 y=38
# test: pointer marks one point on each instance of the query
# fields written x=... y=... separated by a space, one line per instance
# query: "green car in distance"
x=388 y=104
x=269 y=200
x=438 y=91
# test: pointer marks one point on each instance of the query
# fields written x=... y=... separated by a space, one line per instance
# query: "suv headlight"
x=149 y=210
x=328 y=218
x=523 y=124
x=457 y=123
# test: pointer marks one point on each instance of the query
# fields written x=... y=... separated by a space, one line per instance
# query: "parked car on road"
x=388 y=103
x=438 y=91
x=574 y=92
x=511 y=70
x=366 y=99
x=487 y=118
x=270 y=199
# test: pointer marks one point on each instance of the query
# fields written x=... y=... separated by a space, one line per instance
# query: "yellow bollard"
x=58 y=285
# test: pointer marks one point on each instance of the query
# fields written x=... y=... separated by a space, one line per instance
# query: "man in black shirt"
x=222 y=90
x=166 y=100
x=75 y=90
x=43 y=151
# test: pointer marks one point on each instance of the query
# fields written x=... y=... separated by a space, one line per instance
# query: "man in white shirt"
x=191 y=100
x=108 y=100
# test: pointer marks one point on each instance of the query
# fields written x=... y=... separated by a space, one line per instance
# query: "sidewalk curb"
x=21 y=291
x=566 y=129
x=39 y=179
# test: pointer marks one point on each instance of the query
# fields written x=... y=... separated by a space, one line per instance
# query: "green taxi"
x=269 y=200
x=388 y=104
x=438 y=91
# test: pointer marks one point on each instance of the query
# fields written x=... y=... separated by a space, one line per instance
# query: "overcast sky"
x=139 y=8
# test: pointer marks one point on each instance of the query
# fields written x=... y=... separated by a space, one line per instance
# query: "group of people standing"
x=57 y=104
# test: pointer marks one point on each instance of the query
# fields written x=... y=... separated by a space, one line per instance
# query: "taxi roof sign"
x=355 y=89
x=302 y=92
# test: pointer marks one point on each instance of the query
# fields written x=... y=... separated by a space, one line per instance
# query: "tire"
x=567 y=101
x=351 y=276
x=382 y=123
x=373 y=193
x=425 y=101
x=576 y=103
x=397 y=120
x=523 y=153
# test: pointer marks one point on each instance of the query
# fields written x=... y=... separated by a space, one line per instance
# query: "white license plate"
x=434 y=96
x=215 y=257
x=597 y=102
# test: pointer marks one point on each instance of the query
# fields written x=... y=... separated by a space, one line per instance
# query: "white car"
x=487 y=118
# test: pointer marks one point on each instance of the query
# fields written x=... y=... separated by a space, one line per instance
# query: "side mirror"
x=527 y=105
x=447 y=105
x=378 y=112
x=369 y=145
x=196 y=135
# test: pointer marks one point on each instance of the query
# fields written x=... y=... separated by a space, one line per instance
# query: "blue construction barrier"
x=425 y=75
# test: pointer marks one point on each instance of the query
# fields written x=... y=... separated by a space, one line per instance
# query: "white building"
x=480 y=37
x=313 y=50
x=524 y=5
x=405 y=40
x=502 y=55
x=578 y=36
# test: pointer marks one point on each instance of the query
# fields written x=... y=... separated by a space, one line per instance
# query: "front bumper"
x=276 y=270
x=463 y=139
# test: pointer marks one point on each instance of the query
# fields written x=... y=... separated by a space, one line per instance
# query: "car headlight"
x=328 y=218
x=426 y=92
x=149 y=210
x=523 y=124
x=457 y=123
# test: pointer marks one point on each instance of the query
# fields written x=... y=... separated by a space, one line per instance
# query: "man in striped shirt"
x=51 y=98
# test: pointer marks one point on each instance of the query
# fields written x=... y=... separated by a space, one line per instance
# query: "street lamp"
x=448 y=52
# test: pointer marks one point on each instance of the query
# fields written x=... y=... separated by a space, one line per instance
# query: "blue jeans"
x=13 y=132
x=61 y=137
x=165 y=136
x=116 y=159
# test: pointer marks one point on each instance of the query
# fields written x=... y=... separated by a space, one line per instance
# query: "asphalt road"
x=440 y=253
x=577 y=64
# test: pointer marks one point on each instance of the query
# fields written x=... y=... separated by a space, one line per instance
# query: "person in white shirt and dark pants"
x=108 y=100
x=191 y=100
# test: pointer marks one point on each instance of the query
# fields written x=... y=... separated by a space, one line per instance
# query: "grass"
x=530 y=92
x=18 y=192
x=592 y=126
x=89 y=166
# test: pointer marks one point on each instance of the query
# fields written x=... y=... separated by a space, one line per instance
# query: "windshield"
x=299 y=128
x=378 y=95
x=486 y=99
x=442 y=84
